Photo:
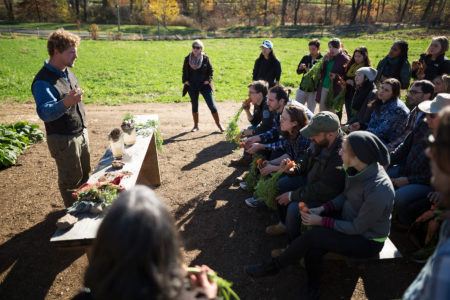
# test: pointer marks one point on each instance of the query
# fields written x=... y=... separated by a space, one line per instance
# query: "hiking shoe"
x=421 y=256
x=243 y=185
x=262 y=269
x=277 y=229
x=241 y=162
x=254 y=203
x=277 y=252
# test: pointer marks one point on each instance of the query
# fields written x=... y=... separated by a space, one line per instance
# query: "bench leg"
x=149 y=174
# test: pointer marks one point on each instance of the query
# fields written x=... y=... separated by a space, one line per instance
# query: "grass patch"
x=119 y=72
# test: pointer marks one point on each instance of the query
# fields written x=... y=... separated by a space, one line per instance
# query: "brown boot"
x=195 y=117
x=217 y=120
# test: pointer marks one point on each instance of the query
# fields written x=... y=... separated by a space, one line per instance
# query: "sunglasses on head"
x=196 y=47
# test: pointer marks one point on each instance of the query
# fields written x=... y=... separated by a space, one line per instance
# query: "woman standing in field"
x=267 y=67
x=396 y=65
x=197 y=79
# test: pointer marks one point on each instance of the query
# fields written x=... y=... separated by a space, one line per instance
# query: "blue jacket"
x=388 y=122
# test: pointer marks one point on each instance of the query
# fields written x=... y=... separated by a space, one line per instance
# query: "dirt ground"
x=217 y=228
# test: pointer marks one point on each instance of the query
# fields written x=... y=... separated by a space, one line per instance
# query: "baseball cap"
x=324 y=121
x=436 y=105
x=267 y=44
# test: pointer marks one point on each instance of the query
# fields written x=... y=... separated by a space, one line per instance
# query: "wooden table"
x=141 y=160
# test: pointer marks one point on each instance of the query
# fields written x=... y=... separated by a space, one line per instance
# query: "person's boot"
x=195 y=117
x=217 y=120
x=262 y=269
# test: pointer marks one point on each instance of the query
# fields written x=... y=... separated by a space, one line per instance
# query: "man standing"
x=58 y=103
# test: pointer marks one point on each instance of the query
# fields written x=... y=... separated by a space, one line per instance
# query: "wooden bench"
x=389 y=251
x=141 y=159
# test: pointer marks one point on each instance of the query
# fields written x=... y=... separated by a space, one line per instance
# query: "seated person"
x=136 y=254
x=433 y=282
x=262 y=118
x=410 y=168
x=276 y=101
x=319 y=173
x=433 y=63
x=364 y=207
x=441 y=84
x=363 y=99
x=388 y=120
x=292 y=144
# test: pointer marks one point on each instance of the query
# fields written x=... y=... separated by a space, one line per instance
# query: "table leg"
x=149 y=174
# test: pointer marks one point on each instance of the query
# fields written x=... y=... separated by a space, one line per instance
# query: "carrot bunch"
x=261 y=163
x=303 y=207
x=290 y=164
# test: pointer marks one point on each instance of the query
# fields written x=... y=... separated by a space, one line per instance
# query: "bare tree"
x=402 y=15
x=284 y=4
x=296 y=8
x=9 y=9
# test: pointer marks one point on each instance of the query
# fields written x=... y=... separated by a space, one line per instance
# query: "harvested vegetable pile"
x=14 y=139
x=102 y=192
x=267 y=190
x=224 y=287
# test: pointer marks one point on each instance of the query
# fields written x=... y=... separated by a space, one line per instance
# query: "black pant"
x=315 y=243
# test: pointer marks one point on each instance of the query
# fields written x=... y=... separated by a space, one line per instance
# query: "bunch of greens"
x=105 y=193
x=145 y=129
x=267 y=189
x=233 y=134
x=251 y=178
x=310 y=80
x=15 y=138
x=224 y=287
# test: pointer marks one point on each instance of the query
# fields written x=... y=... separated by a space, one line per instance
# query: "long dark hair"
x=272 y=56
x=364 y=52
x=136 y=254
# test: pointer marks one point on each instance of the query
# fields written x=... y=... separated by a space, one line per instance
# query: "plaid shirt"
x=294 y=148
x=410 y=154
x=388 y=122
x=433 y=282
x=273 y=134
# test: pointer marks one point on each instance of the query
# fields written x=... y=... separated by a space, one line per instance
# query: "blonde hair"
x=61 y=40
x=198 y=43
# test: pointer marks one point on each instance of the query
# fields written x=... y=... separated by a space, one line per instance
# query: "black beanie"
x=368 y=148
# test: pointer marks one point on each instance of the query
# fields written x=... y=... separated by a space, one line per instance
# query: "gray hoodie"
x=366 y=204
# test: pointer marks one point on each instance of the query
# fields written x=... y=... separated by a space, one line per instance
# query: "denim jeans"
x=289 y=214
x=410 y=200
x=207 y=94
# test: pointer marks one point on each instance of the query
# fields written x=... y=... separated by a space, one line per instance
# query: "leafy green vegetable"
x=251 y=178
x=106 y=193
x=267 y=189
x=224 y=287
x=145 y=129
x=15 y=138
x=233 y=132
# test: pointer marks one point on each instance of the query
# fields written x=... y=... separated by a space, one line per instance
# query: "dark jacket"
x=340 y=61
x=362 y=103
x=73 y=121
x=308 y=61
x=324 y=173
x=433 y=68
x=267 y=69
x=410 y=154
x=197 y=77
x=366 y=204
x=262 y=118
x=394 y=68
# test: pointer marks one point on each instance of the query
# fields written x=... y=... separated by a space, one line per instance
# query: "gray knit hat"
x=368 y=148
x=369 y=72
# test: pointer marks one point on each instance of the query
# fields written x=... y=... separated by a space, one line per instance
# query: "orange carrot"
x=303 y=208
x=241 y=145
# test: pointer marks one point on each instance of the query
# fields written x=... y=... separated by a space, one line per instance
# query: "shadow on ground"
x=30 y=253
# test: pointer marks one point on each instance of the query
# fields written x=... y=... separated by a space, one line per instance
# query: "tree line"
x=213 y=14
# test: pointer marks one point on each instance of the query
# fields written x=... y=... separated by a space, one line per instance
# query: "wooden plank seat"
x=141 y=159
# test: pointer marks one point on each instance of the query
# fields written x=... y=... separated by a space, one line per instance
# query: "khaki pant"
x=72 y=157
x=307 y=98
x=323 y=101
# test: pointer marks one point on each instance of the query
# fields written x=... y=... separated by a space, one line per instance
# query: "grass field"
x=116 y=72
